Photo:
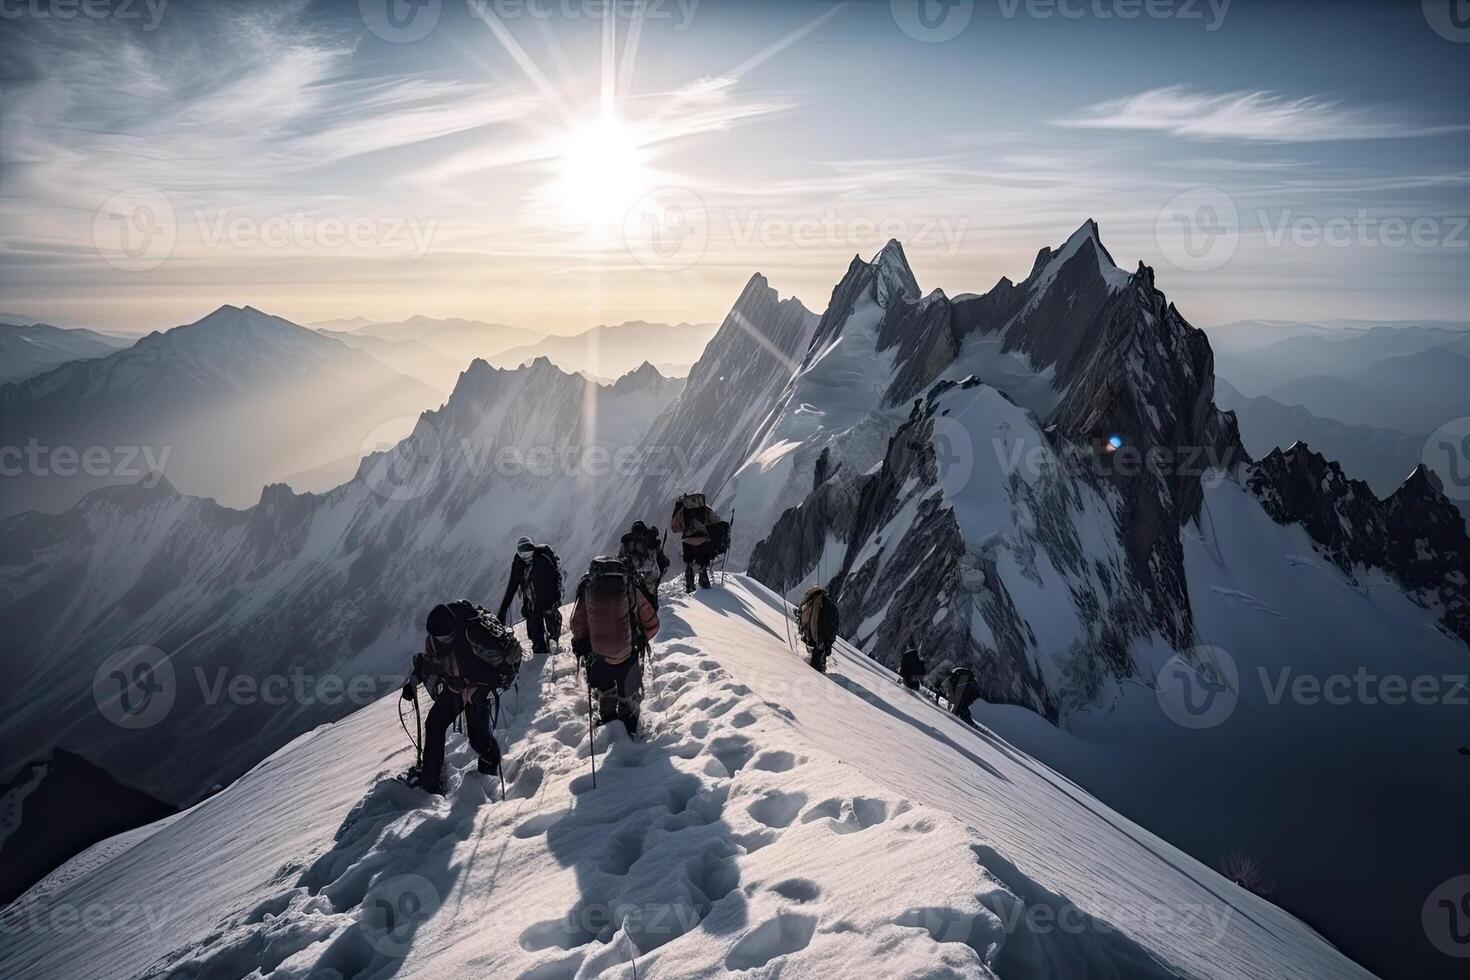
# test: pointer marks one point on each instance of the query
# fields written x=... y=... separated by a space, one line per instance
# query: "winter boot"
x=704 y=577
x=415 y=778
x=689 y=578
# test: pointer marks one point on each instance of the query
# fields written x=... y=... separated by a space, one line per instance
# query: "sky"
x=556 y=164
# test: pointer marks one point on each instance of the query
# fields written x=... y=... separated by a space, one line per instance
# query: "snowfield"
x=768 y=821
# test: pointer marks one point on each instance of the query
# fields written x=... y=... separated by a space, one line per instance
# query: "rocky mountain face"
x=295 y=611
x=1415 y=533
x=707 y=432
x=1025 y=518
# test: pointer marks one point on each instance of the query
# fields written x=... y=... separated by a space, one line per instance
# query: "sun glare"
x=602 y=172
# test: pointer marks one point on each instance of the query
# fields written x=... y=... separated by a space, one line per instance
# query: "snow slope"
x=748 y=831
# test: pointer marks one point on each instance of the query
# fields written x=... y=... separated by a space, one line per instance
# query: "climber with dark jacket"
x=468 y=659
x=911 y=668
x=535 y=572
x=642 y=548
x=703 y=537
x=962 y=691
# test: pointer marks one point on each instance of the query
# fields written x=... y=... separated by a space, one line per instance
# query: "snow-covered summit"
x=747 y=831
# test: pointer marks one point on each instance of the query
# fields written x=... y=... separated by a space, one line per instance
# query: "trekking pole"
x=591 y=742
x=725 y=558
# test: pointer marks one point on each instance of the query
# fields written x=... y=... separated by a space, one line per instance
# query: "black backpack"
x=494 y=652
x=719 y=536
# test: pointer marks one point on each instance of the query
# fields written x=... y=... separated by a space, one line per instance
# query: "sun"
x=602 y=172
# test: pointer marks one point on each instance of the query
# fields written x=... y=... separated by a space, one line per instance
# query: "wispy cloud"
x=1247 y=115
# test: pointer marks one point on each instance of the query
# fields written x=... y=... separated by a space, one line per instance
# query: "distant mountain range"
x=29 y=349
x=222 y=406
x=436 y=351
x=610 y=351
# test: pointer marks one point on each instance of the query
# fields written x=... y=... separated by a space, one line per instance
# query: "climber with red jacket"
x=613 y=623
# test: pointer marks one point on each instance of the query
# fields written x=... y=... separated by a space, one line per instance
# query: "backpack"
x=610 y=599
x=494 y=653
x=692 y=501
x=818 y=618
x=719 y=536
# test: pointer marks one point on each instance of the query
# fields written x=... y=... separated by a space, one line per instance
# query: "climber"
x=704 y=537
x=642 y=548
x=911 y=668
x=469 y=658
x=613 y=623
x=962 y=691
x=535 y=572
x=817 y=616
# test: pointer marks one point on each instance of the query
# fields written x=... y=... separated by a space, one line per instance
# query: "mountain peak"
x=895 y=278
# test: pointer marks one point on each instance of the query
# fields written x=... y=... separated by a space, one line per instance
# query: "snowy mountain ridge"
x=746 y=832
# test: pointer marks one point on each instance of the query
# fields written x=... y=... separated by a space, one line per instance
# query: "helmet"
x=442 y=621
x=525 y=545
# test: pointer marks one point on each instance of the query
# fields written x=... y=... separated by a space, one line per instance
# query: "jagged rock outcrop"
x=1094 y=486
x=1416 y=534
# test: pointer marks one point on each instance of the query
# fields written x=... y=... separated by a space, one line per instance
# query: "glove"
x=410 y=690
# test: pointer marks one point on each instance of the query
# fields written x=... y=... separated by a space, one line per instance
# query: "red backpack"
x=610 y=601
